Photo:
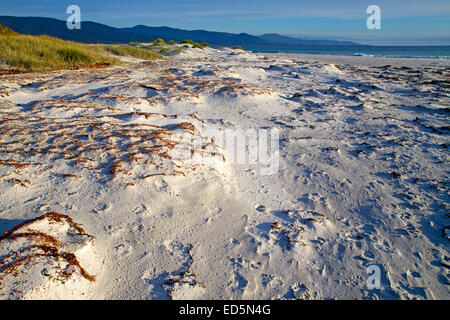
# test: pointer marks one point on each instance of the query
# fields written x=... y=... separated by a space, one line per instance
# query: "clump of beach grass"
x=26 y=53
x=131 y=51
x=43 y=53
x=6 y=31
x=195 y=44
x=159 y=41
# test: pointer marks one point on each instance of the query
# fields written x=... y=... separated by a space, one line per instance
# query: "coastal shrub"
x=194 y=44
x=197 y=45
x=159 y=41
x=238 y=48
x=188 y=42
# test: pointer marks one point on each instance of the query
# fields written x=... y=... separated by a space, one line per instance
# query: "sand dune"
x=134 y=158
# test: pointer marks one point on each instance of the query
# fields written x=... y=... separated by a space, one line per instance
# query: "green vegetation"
x=6 y=31
x=27 y=53
x=139 y=53
x=195 y=44
x=238 y=48
x=159 y=47
x=188 y=42
x=44 y=53
x=74 y=56
x=170 y=48
x=159 y=41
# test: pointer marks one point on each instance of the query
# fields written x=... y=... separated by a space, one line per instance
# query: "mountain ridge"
x=94 y=32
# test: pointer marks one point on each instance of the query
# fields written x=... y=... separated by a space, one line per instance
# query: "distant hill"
x=92 y=32
x=276 y=38
x=145 y=33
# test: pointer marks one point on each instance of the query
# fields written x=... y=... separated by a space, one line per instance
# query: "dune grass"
x=131 y=51
x=159 y=41
x=195 y=44
x=159 y=46
x=6 y=31
x=44 y=53
x=27 y=53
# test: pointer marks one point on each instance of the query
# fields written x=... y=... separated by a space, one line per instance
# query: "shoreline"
x=362 y=61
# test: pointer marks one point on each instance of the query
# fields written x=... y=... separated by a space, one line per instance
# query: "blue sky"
x=403 y=21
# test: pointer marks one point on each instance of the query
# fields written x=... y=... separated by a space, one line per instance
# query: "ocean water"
x=435 y=52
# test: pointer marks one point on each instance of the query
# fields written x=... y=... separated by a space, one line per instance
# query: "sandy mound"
x=40 y=252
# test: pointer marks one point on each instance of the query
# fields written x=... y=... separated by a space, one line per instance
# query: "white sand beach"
x=147 y=201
